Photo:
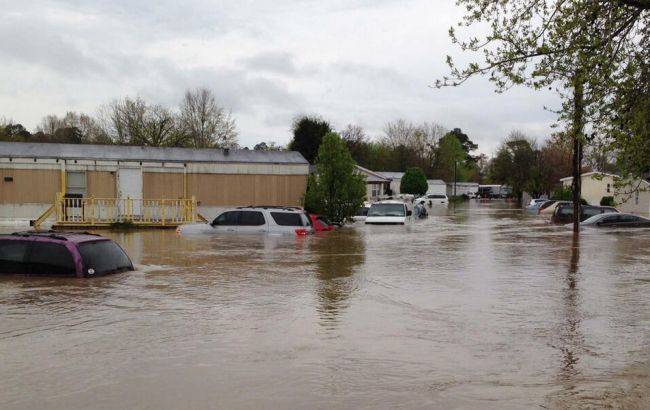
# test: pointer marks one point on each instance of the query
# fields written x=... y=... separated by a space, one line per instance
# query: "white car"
x=433 y=199
x=254 y=220
x=388 y=213
x=362 y=213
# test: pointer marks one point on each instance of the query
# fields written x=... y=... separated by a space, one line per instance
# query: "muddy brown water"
x=479 y=306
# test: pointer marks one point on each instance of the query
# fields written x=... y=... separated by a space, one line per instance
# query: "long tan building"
x=32 y=174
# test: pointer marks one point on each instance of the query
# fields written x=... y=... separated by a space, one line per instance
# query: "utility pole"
x=455 y=164
x=578 y=127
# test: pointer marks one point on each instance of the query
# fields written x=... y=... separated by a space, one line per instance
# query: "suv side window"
x=287 y=218
x=226 y=218
x=628 y=218
x=251 y=218
x=51 y=259
x=610 y=219
x=12 y=255
x=589 y=212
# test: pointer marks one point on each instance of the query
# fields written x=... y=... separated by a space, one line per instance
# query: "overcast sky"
x=364 y=62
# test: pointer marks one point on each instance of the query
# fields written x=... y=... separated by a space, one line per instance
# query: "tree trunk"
x=578 y=127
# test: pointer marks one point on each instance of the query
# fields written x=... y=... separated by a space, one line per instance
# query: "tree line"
x=198 y=122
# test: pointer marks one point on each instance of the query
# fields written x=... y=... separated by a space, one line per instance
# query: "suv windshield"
x=386 y=210
x=104 y=257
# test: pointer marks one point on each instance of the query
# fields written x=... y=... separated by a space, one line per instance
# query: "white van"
x=388 y=213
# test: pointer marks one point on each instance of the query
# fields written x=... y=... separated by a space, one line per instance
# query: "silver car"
x=254 y=220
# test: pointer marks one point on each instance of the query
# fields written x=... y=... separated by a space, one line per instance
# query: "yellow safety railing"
x=106 y=211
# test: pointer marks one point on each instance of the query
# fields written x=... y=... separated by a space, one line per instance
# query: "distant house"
x=437 y=186
x=462 y=188
x=596 y=185
x=32 y=175
x=395 y=180
x=376 y=183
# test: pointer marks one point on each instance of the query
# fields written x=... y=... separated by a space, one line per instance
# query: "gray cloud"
x=350 y=61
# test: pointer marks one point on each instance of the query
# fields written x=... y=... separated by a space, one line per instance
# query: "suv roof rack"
x=53 y=234
x=49 y=234
x=292 y=208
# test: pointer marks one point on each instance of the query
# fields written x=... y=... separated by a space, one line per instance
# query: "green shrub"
x=607 y=201
x=414 y=182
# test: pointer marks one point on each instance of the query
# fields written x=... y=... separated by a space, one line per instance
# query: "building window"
x=636 y=197
x=608 y=188
x=375 y=190
x=76 y=183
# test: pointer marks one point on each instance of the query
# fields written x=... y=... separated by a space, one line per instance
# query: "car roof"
x=53 y=236
x=389 y=201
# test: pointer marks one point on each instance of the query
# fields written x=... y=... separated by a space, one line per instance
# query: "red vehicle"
x=320 y=223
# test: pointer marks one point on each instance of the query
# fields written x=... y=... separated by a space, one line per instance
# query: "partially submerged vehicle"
x=320 y=223
x=433 y=199
x=362 y=213
x=564 y=212
x=261 y=219
x=388 y=213
x=61 y=254
x=616 y=220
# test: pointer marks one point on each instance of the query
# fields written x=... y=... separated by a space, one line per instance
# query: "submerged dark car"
x=617 y=221
x=61 y=254
x=563 y=214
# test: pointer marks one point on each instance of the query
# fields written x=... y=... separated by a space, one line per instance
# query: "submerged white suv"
x=388 y=213
x=254 y=220
x=433 y=199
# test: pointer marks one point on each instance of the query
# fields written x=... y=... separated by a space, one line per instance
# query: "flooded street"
x=479 y=306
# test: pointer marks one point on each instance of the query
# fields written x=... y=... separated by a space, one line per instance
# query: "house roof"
x=476 y=184
x=587 y=174
x=372 y=176
x=133 y=153
x=435 y=182
x=392 y=175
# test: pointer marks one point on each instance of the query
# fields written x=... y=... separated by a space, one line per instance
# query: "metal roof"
x=156 y=154
x=372 y=176
x=435 y=182
x=392 y=175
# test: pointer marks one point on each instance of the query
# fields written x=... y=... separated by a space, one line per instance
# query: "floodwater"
x=477 y=307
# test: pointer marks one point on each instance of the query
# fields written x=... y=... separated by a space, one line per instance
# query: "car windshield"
x=386 y=210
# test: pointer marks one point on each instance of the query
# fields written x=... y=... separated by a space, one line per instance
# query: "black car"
x=564 y=212
x=617 y=221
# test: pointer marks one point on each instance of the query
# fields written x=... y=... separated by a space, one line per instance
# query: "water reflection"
x=338 y=257
x=572 y=339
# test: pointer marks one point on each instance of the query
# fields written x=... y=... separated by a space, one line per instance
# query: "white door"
x=129 y=184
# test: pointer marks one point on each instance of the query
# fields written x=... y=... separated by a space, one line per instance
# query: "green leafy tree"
x=308 y=133
x=586 y=50
x=337 y=190
x=515 y=165
x=467 y=144
x=414 y=182
x=449 y=160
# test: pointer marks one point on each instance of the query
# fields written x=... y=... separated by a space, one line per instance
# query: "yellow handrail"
x=105 y=211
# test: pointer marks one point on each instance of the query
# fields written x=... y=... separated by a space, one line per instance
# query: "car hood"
x=385 y=219
x=191 y=229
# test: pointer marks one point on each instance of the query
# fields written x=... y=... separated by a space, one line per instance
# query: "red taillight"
x=302 y=232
